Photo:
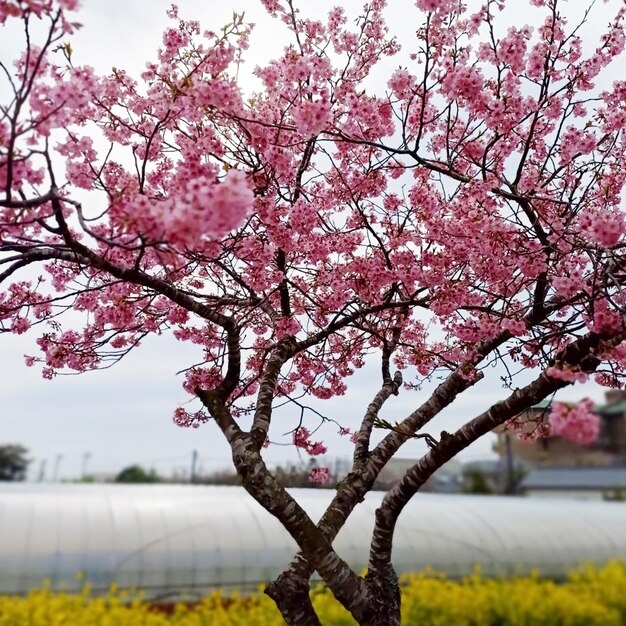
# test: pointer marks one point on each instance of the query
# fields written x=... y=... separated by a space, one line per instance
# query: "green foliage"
x=137 y=474
x=475 y=482
x=13 y=462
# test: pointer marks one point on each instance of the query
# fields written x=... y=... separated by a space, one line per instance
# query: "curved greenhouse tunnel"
x=177 y=541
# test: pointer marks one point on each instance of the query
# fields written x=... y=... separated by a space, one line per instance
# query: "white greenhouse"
x=172 y=540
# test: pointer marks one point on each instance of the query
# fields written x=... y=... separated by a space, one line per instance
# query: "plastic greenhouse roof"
x=172 y=538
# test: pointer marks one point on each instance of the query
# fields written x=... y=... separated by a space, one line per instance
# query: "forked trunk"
x=291 y=596
x=384 y=599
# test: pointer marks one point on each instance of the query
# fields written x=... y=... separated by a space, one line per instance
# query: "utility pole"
x=194 y=462
x=511 y=486
x=42 y=471
x=57 y=463
x=83 y=471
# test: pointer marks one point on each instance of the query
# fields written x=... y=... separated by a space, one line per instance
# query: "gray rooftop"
x=576 y=478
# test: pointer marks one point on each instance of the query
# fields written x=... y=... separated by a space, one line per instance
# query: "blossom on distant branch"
x=575 y=422
x=319 y=475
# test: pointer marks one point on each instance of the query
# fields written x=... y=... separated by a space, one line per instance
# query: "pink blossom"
x=569 y=284
x=202 y=378
x=571 y=374
x=186 y=420
x=606 y=320
x=319 y=475
x=528 y=429
x=605 y=228
x=512 y=49
x=443 y=6
x=204 y=210
x=401 y=84
x=576 y=422
x=302 y=439
x=272 y=6
x=515 y=327
x=15 y=8
x=20 y=325
x=312 y=117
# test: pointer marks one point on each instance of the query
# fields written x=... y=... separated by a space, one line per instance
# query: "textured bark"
x=361 y=448
x=259 y=482
x=367 y=465
x=579 y=353
x=267 y=390
x=384 y=598
x=291 y=595
x=375 y=600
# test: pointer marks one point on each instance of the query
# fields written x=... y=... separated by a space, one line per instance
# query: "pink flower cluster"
x=441 y=6
x=528 y=429
x=605 y=227
x=302 y=439
x=15 y=8
x=186 y=420
x=402 y=84
x=205 y=209
x=569 y=284
x=312 y=117
x=576 y=142
x=575 y=422
x=606 y=319
x=512 y=49
x=319 y=475
x=571 y=374
x=201 y=378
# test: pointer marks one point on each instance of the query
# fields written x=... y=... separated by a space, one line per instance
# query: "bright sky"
x=114 y=418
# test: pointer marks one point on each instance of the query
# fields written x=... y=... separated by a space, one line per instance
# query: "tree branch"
x=579 y=353
x=259 y=482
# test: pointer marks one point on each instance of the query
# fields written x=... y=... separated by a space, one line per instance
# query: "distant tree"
x=13 y=462
x=615 y=495
x=475 y=482
x=137 y=474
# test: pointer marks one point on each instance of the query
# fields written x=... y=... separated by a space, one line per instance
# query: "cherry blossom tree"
x=462 y=213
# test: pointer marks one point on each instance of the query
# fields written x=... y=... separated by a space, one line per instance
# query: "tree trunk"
x=290 y=592
x=291 y=595
x=384 y=599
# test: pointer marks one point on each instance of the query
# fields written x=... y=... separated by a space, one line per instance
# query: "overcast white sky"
x=123 y=415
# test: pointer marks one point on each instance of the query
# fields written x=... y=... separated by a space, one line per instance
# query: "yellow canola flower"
x=589 y=597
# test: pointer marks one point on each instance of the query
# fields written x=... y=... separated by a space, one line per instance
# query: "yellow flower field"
x=589 y=597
